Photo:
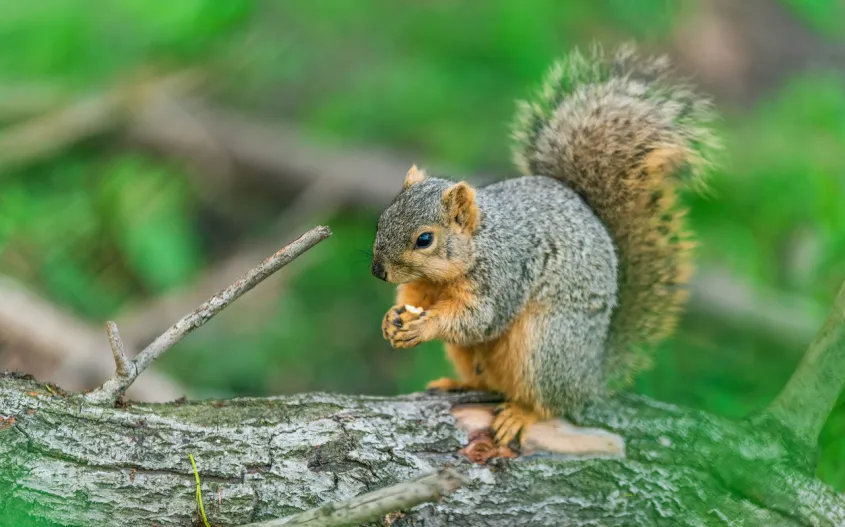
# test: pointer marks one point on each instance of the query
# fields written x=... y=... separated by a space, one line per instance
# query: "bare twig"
x=112 y=388
x=374 y=505
x=153 y=316
x=811 y=393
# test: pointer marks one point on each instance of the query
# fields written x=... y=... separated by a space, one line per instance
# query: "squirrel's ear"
x=415 y=175
x=460 y=204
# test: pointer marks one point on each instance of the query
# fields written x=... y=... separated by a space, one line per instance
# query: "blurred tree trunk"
x=66 y=462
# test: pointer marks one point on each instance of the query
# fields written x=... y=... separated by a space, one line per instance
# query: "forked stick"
x=127 y=371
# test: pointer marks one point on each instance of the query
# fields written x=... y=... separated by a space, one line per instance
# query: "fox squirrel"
x=552 y=286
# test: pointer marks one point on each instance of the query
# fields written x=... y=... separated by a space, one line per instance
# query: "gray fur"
x=538 y=243
x=415 y=206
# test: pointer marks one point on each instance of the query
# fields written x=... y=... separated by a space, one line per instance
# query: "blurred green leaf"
x=825 y=16
x=151 y=222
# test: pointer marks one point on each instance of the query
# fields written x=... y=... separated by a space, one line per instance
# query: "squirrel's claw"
x=510 y=421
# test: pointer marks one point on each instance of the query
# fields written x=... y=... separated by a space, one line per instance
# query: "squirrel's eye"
x=424 y=240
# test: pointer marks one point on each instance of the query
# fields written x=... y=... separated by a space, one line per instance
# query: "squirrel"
x=552 y=287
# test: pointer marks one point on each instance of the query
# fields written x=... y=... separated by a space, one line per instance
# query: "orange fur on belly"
x=502 y=365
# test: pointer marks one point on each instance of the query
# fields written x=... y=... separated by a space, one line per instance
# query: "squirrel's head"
x=426 y=233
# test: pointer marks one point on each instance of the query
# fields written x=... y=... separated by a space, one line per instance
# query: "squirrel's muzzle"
x=378 y=270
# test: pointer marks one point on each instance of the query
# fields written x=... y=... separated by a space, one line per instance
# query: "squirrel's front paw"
x=404 y=327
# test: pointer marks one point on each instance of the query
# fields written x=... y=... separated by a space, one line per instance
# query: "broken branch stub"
x=122 y=364
x=126 y=372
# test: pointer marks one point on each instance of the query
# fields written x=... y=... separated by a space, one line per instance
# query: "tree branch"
x=124 y=375
x=373 y=505
x=811 y=393
x=65 y=461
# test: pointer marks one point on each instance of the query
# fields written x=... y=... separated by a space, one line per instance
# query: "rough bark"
x=64 y=461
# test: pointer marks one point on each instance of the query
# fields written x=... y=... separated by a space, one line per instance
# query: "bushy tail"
x=618 y=132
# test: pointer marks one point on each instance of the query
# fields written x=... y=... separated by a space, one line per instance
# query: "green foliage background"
x=100 y=228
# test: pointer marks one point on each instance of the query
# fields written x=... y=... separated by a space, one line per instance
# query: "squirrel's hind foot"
x=511 y=421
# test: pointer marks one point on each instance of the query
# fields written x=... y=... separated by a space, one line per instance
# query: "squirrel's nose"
x=378 y=270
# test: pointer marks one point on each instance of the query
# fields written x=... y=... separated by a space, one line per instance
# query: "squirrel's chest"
x=503 y=364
